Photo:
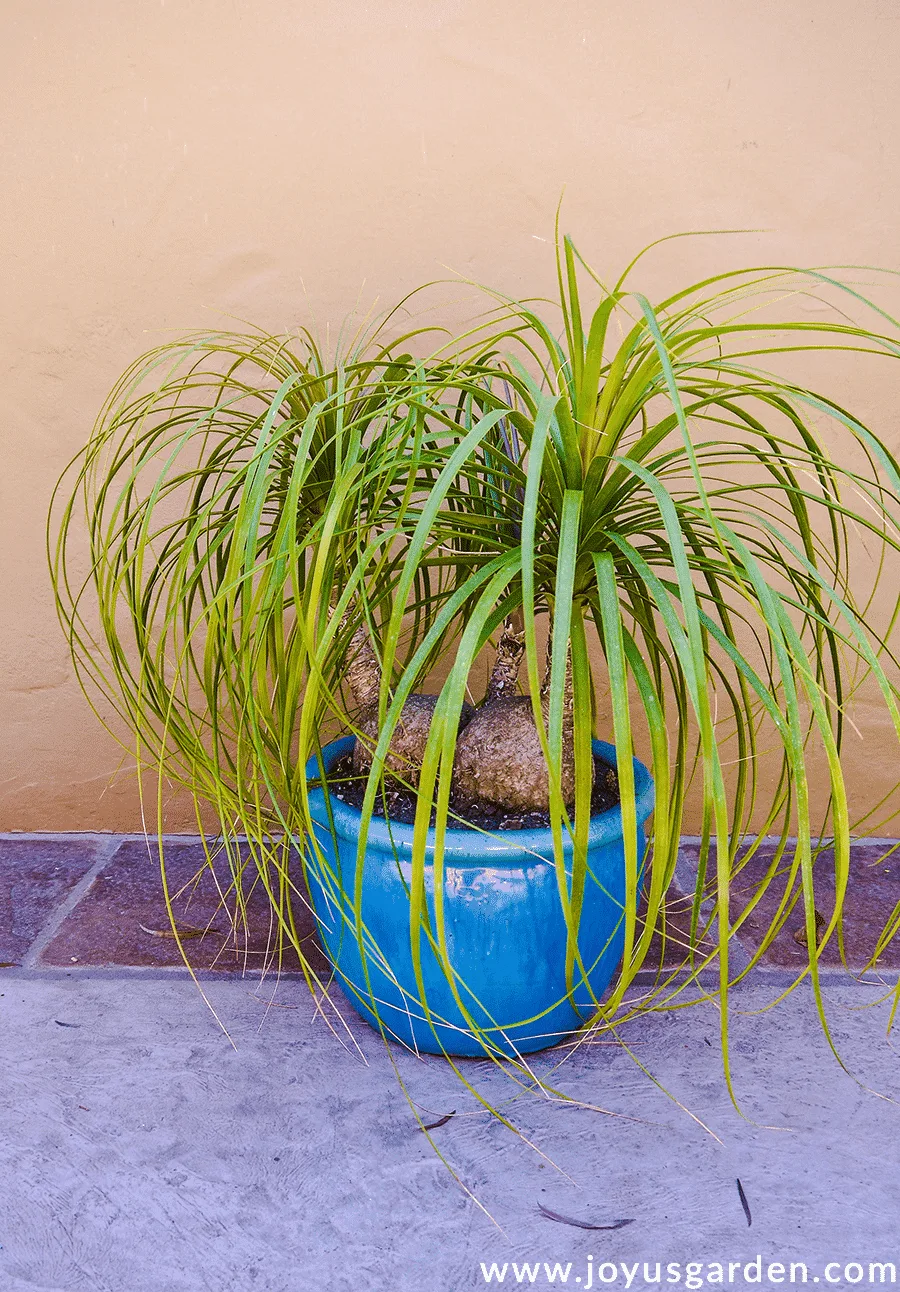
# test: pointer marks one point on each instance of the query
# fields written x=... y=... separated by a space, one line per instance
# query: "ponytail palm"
x=628 y=482
x=692 y=523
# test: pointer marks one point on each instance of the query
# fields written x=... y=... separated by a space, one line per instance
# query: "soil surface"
x=399 y=804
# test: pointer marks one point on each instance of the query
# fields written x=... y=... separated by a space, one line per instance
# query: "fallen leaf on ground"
x=800 y=934
x=581 y=1224
x=441 y=1122
x=180 y=931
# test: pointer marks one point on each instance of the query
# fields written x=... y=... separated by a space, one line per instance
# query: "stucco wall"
x=170 y=162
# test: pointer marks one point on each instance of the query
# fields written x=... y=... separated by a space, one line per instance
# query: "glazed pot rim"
x=473 y=846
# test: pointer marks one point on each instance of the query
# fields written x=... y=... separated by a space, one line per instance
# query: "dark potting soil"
x=399 y=804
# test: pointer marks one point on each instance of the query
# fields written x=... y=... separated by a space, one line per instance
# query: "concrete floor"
x=143 y=1151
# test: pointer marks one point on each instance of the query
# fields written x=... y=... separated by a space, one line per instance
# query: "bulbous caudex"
x=499 y=759
x=407 y=745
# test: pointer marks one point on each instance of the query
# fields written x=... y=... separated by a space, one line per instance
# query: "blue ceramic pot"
x=505 y=931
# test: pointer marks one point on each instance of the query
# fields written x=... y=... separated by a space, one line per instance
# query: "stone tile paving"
x=873 y=892
x=677 y=947
x=122 y=919
x=36 y=876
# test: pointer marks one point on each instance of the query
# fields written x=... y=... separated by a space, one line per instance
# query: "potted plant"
x=284 y=549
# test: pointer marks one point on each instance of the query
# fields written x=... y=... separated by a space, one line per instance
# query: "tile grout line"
x=126 y=836
x=772 y=976
x=855 y=840
x=106 y=850
x=99 y=836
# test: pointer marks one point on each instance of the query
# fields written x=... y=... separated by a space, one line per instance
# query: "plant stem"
x=510 y=650
x=363 y=669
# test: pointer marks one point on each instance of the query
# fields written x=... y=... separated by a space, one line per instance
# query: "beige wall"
x=168 y=162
